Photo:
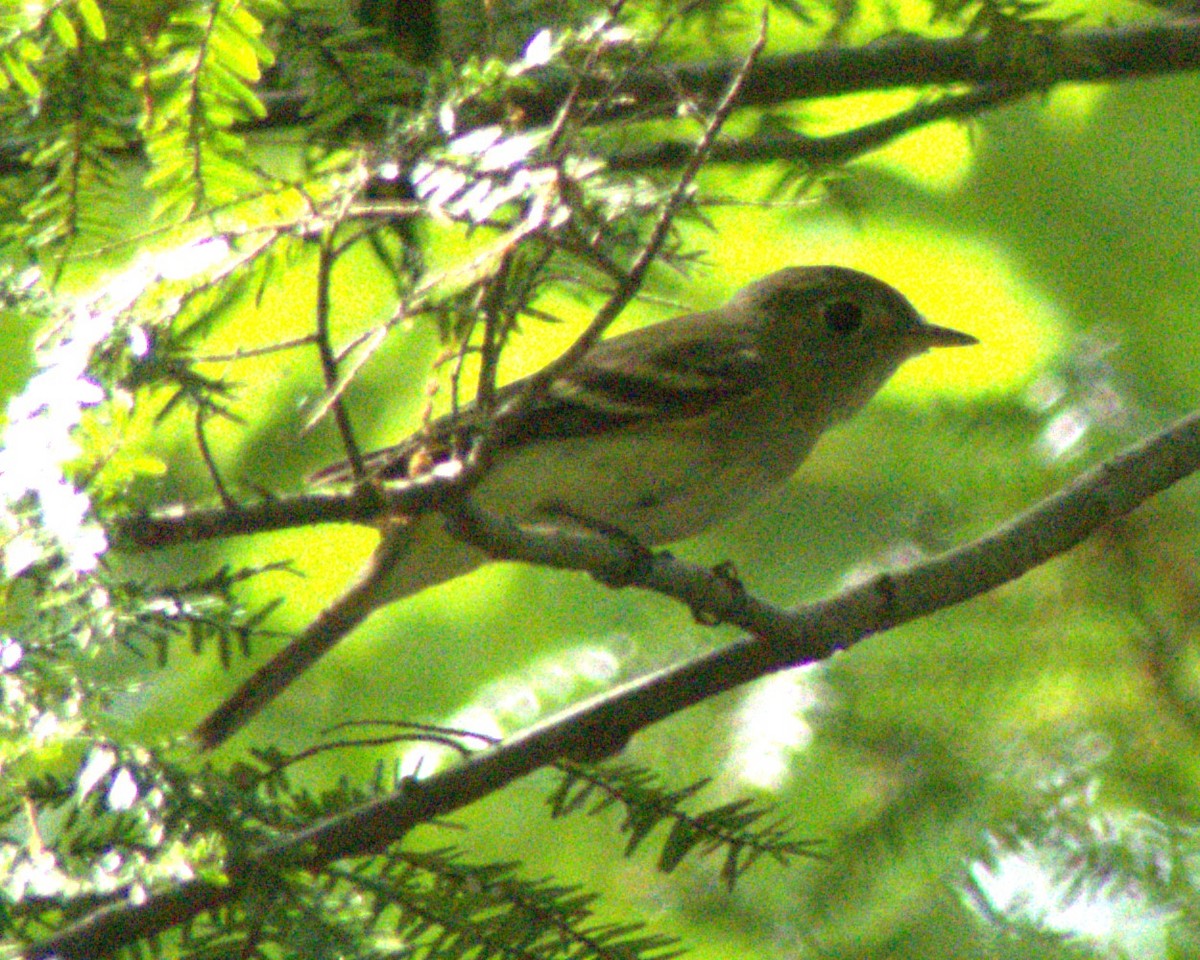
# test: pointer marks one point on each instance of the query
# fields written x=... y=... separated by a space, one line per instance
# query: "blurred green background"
x=1017 y=776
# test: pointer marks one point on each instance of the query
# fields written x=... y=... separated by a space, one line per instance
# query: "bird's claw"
x=733 y=591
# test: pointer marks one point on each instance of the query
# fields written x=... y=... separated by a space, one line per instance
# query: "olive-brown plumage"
x=660 y=433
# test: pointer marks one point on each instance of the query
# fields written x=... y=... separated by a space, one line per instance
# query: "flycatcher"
x=658 y=433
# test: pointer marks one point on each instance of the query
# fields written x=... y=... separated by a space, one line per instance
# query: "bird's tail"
x=408 y=559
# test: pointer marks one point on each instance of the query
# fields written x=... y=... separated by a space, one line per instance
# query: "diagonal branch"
x=779 y=639
x=831 y=150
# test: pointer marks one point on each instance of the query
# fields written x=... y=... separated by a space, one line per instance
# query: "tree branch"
x=1083 y=56
x=780 y=639
x=830 y=150
x=172 y=526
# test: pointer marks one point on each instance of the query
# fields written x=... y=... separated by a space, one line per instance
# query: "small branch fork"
x=777 y=639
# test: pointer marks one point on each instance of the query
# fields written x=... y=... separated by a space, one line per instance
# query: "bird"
x=658 y=433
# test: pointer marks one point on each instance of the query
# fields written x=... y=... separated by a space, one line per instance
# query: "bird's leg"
x=735 y=592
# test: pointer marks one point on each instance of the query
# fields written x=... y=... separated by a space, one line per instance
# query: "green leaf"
x=93 y=19
x=639 y=821
x=29 y=51
x=680 y=842
x=233 y=89
x=251 y=29
x=20 y=74
x=234 y=54
x=61 y=24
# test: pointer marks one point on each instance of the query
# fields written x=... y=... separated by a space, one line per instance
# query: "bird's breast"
x=658 y=484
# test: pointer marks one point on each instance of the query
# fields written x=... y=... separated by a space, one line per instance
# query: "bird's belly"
x=658 y=488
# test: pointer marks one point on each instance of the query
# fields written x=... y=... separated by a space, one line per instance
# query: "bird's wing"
x=679 y=369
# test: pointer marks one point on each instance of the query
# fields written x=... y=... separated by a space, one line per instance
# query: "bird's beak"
x=931 y=335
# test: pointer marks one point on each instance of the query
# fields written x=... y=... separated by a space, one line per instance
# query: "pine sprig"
x=349 y=78
x=61 y=94
x=441 y=906
x=201 y=610
x=204 y=61
x=742 y=828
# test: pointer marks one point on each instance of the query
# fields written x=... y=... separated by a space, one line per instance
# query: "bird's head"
x=838 y=333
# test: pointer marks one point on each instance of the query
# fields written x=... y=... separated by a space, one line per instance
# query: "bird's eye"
x=842 y=316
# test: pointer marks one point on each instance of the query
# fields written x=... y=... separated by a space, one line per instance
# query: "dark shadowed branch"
x=828 y=150
x=1083 y=56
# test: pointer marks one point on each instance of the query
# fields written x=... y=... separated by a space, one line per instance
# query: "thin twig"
x=453 y=738
x=329 y=370
x=209 y=462
x=831 y=150
x=489 y=351
x=246 y=353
